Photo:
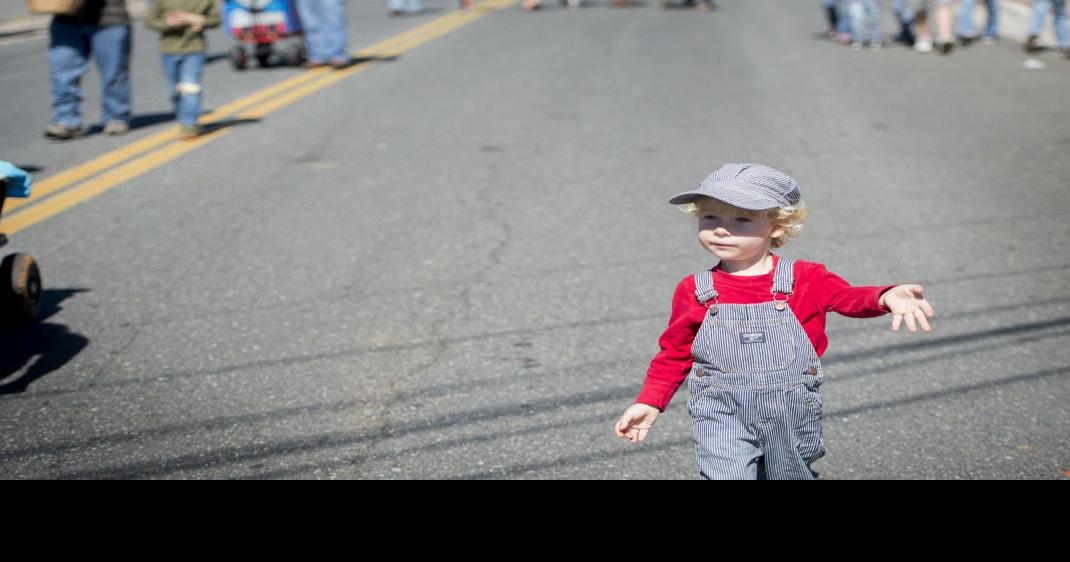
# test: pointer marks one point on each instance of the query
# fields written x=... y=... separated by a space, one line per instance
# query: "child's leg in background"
x=171 y=73
x=921 y=19
x=945 y=20
x=190 y=90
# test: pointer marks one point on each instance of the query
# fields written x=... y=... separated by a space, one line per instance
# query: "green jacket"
x=182 y=40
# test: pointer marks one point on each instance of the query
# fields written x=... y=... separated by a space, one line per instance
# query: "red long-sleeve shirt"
x=817 y=291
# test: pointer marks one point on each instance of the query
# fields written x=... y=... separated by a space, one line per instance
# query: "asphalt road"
x=457 y=264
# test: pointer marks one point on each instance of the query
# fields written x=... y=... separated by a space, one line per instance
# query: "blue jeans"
x=865 y=16
x=1040 y=13
x=906 y=11
x=968 y=28
x=326 y=30
x=410 y=6
x=69 y=49
x=183 y=74
x=843 y=20
x=843 y=23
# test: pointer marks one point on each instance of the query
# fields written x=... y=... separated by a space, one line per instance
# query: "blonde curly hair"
x=790 y=218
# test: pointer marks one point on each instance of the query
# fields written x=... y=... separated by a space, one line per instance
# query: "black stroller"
x=21 y=290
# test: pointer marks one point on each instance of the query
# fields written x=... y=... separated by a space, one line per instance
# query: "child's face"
x=732 y=235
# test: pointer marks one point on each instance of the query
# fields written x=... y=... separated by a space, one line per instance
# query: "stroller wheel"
x=239 y=58
x=20 y=287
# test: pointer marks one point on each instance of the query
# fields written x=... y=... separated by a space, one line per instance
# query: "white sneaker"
x=857 y=47
x=924 y=46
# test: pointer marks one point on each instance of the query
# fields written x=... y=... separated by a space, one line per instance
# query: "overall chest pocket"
x=748 y=346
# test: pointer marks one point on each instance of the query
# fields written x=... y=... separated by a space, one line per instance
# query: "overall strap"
x=784 y=281
x=704 y=288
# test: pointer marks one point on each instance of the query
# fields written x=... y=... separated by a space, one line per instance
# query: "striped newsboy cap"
x=748 y=186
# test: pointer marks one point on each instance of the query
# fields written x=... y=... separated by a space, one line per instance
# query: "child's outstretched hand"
x=907 y=302
x=637 y=422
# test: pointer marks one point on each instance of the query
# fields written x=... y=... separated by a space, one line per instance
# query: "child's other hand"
x=636 y=422
x=907 y=302
x=195 y=21
x=187 y=19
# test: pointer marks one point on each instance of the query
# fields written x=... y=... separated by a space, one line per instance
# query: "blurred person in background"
x=944 y=16
x=967 y=26
x=1041 y=9
x=906 y=12
x=865 y=18
x=326 y=32
x=832 y=13
x=101 y=30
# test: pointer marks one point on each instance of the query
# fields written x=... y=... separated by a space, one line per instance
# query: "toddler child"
x=181 y=24
x=748 y=334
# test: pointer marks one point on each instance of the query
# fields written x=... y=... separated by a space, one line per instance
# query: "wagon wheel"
x=239 y=58
x=21 y=289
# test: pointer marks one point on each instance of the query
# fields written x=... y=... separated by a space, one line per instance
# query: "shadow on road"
x=42 y=346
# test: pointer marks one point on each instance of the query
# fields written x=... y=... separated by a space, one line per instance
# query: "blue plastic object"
x=19 y=183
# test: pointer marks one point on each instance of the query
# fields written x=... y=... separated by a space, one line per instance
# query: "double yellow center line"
x=74 y=186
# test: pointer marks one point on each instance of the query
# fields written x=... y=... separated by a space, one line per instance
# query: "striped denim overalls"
x=755 y=398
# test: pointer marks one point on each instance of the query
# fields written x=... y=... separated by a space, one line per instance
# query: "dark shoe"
x=907 y=37
x=341 y=64
x=62 y=132
x=946 y=47
x=1066 y=53
x=314 y=64
x=1031 y=45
